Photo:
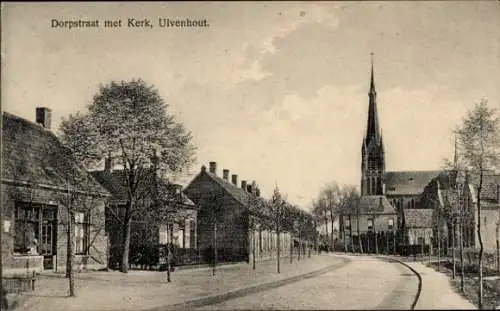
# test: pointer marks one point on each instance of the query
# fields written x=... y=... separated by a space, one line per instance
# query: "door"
x=48 y=237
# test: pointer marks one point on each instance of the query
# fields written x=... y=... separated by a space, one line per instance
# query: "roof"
x=115 y=182
x=375 y=204
x=418 y=218
x=240 y=195
x=407 y=182
x=33 y=154
x=491 y=181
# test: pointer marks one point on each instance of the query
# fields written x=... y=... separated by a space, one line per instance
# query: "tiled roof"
x=35 y=155
x=115 y=182
x=418 y=218
x=407 y=182
x=490 y=182
x=240 y=195
x=375 y=204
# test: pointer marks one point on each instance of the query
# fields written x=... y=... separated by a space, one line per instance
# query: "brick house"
x=39 y=179
x=231 y=205
x=147 y=236
x=418 y=226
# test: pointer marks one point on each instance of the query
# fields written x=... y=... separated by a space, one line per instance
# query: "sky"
x=276 y=92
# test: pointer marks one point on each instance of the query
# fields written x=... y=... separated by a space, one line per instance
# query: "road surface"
x=364 y=283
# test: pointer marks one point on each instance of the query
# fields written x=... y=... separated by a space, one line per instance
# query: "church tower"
x=372 y=149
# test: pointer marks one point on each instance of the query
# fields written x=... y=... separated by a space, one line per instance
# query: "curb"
x=417 y=296
x=210 y=300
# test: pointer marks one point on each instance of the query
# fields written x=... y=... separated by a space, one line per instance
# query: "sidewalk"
x=140 y=290
x=437 y=292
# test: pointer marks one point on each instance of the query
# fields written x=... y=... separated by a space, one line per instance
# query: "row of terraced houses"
x=40 y=179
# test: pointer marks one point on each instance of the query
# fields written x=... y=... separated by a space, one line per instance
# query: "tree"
x=129 y=121
x=79 y=197
x=331 y=195
x=276 y=205
x=479 y=139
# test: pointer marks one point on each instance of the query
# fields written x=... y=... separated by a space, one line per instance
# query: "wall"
x=97 y=253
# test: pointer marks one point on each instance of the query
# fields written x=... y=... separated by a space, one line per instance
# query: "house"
x=373 y=221
x=490 y=208
x=147 y=235
x=41 y=181
x=418 y=226
x=229 y=219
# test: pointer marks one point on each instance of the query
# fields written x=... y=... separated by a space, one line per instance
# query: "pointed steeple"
x=372 y=80
x=372 y=129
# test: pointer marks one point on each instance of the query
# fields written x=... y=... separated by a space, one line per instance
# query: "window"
x=81 y=233
x=27 y=228
x=370 y=224
x=35 y=229
x=390 y=225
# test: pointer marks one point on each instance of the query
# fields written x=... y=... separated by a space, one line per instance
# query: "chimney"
x=234 y=179
x=225 y=174
x=43 y=117
x=213 y=167
x=244 y=184
x=257 y=192
x=107 y=165
x=203 y=168
x=249 y=188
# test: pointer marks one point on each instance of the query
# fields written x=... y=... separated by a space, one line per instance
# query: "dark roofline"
x=52 y=187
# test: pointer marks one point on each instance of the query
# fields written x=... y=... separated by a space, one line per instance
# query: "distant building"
x=233 y=209
x=384 y=195
x=40 y=180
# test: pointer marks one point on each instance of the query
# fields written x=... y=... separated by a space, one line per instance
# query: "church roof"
x=379 y=204
x=418 y=218
x=407 y=182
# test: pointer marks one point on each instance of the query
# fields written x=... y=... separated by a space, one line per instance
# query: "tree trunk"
x=387 y=242
x=376 y=238
x=127 y=224
x=343 y=233
x=70 y=254
x=498 y=245
x=462 y=273
x=439 y=246
x=350 y=234
x=359 y=237
x=299 y=250
x=278 y=251
x=332 y=243
x=169 y=251
x=481 y=246
x=215 y=248
x=291 y=249
x=326 y=228
x=253 y=245
x=453 y=249
x=394 y=243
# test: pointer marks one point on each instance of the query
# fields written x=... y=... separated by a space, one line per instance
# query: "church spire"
x=372 y=81
x=372 y=129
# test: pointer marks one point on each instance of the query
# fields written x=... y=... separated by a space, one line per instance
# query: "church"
x=377 y=222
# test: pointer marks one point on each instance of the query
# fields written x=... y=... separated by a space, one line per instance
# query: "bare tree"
x=479 y=138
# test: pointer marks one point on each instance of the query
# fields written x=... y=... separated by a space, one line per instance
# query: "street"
x=364 y=283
